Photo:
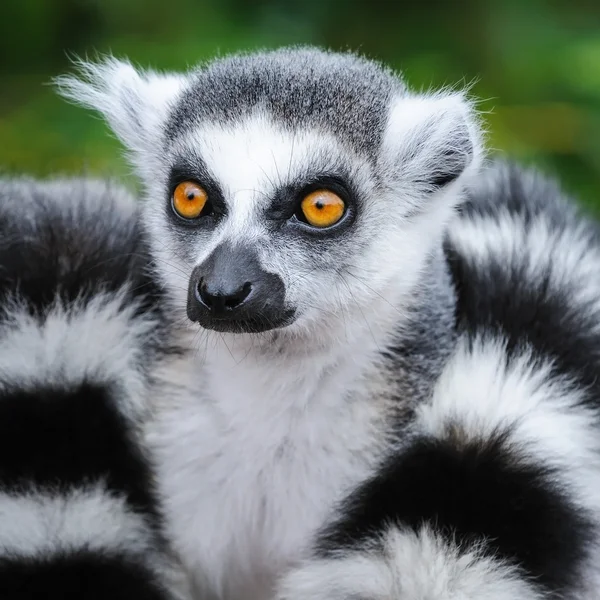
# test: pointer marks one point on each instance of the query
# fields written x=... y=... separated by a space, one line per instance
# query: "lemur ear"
x=135 y=103
x=431 y=140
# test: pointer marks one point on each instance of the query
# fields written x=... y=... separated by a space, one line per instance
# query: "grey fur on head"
x=340 y=93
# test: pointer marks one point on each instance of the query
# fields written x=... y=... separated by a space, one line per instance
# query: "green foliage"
x=534 y=63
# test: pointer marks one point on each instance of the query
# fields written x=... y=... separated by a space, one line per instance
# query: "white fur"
x=421 y=129
x=100 y=342
x=45 y=523
x=134 y=102
x=411 y=566
x=251 y=159
x=254 y=454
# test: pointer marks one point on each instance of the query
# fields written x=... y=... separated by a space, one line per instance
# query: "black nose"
x=222 y=298
x=230 y=291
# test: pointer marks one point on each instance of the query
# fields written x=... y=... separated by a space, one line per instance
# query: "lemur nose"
x=219 y=299
x=230 y=291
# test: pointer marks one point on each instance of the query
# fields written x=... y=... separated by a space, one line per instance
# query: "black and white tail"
x=80 y=331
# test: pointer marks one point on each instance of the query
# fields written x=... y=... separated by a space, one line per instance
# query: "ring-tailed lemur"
x=81 y=330
x=390 y=397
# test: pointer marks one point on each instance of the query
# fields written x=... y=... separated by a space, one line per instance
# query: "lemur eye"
x=189 y=200
x=322 y=208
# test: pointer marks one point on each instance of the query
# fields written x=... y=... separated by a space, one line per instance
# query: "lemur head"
x=287 y=190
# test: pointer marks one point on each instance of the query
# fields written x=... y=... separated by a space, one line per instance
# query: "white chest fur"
x=253 y=457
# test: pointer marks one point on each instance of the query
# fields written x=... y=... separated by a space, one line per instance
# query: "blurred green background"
x=536 y=65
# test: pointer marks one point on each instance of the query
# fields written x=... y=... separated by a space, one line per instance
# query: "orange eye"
x=189 y=199
x=322 y=208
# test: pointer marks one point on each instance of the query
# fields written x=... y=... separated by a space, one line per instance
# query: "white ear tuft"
x=135 y=103
x=431 y=140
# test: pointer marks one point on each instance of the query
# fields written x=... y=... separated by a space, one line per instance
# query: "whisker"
x=360 y=310
x=373 y=291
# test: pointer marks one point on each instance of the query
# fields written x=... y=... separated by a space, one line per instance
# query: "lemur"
x=391 y=385
x=81 y=330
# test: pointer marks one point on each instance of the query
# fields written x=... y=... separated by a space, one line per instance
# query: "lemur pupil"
x=319 y=205
x=191 y=196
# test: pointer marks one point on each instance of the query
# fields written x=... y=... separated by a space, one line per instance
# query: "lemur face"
x=287 y=190
x=270 y=222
